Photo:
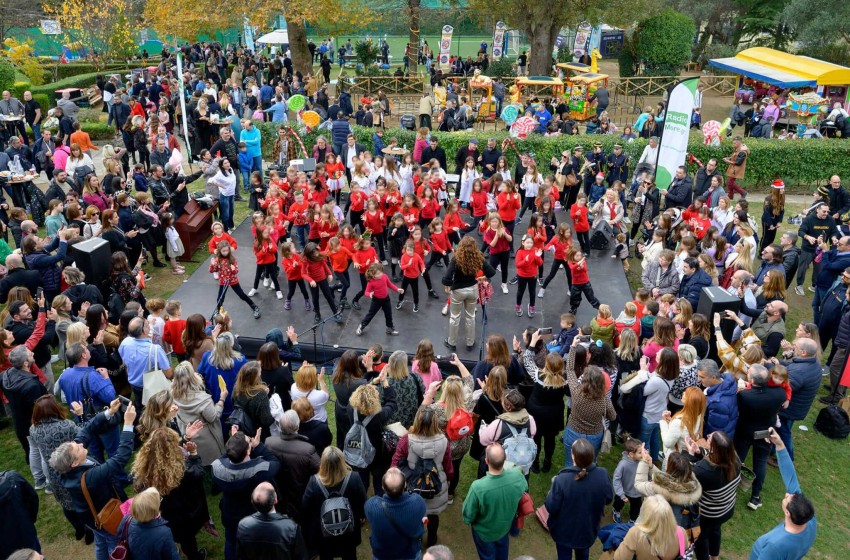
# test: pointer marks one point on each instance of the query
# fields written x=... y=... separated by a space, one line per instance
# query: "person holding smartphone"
x=757 y=411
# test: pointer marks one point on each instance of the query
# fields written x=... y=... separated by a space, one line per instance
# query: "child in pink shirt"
x=425 y=363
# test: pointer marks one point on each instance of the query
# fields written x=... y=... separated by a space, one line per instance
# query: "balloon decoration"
x=522 y=127
x=711 y=132
x=311 y=118
x=297 y=102
x=510 y=114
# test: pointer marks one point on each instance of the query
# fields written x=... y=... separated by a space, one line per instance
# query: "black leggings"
x=584 y=241
x=362 y=291
x=356 y=220
x=344 y=279
x=329 y=296
x=434 y=257
x=575 y=296
x=548 y=447
x=270 y=271
x=522 y=284
x=455 y=476
x=501 y=259
x=413 y=283
x=380 y=241
x=301 y=284
x=768 y=235
x=556 y=264
x=634 y=506
x=708 y=543
x=528 y=204
x=433 y=526
x=377 y=305
x=236 y=289
x=510 y=225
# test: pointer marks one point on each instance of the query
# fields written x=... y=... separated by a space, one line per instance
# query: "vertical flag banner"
x=446 y=46
x=183 y=103
x=673 y=145
x=595 y=38
x=499 y=40
x=582 y=35
x=249 y=36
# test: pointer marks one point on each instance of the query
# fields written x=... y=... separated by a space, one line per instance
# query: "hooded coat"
x=199 y=406
x=721 y=412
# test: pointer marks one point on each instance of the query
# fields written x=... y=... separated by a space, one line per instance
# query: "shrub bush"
x=663 y=42
x=814 y=161
x=7 y=74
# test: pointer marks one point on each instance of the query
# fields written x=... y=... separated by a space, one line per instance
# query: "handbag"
x=571 y=180
x=107 y=519
x=485 y=292
x=606 y=442
x=154 y=379
x=122 y=549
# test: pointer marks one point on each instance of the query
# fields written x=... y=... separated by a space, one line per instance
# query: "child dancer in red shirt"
x=581 y=225
x=581 y=283
x=291 y=262
x=412 y=267
x=528 y=261
x=224 y=262
x=560 y=245
x=265 y=251
x=316 y=272
x=364 y=257
x=340 y=258
x=378 y=289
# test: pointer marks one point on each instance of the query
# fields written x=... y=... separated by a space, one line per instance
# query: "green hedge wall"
x=800 y=162
x=79 y=80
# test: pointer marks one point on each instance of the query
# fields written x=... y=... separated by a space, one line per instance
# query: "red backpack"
x=460 y=425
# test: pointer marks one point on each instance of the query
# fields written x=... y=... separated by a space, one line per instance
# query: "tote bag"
x=154 y=379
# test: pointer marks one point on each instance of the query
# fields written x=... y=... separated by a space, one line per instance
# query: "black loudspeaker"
x=94 y=258
x=715 y=299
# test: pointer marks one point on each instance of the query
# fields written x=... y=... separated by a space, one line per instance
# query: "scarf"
x=147 y=211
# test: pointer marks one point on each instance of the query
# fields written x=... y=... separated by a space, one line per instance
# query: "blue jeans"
x=36 y=131
x=104 y=543
x=257 y=164
x=301 y=234
x=496 y=550
x=650 y=434
x=246 y=179
x=566 y=553
x=226 y=209
x=570 y=437
x=784 y=432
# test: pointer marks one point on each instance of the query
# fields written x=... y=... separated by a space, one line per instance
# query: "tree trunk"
x=413 y=39
x=542 y=41
x=301 y=60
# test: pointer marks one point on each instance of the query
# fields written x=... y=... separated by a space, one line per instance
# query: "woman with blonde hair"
x=772 y=289
x=93 y=194
x=223 y=360
x=546 y=402
x=655 y=535
x=148 y=534
x=62 y=306
x=334 y=478
x=92 y=225
x=195 y=404
x=706 y=262
x=311 y=385
x=176 y=474
x=425 y=441
x=455 y=400
x=687 y=422
x=409 y=389
x=365 y=404
x=252 y=395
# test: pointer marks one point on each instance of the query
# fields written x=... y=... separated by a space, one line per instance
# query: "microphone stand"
x=483 y=332
x=314 y=328
x=220 y=301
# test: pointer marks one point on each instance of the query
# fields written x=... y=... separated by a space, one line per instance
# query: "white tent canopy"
x=276 y=37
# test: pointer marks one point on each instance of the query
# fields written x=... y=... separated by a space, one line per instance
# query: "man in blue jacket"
x=804 y=374
x=832 y=264
x=694 y=280
x=721 y=398
x=396 y=520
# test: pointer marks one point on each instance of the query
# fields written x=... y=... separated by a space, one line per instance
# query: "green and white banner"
x=673 y=146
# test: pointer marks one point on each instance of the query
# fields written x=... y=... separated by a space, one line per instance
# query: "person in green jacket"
x=491 y=505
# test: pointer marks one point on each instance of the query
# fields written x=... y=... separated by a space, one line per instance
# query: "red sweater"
x=411 y=265
x=440 y=242
x=380 y=287
x=421 y=248
x=391 y=203
x=358 y=201
x=539 y=236
x=507 y=206
x=364 y=258
x=228 y=274
x=374 y=222
x=213 y=244
x=579 y=216
x=335 y=170
x=298 y=213
x=501 y=245
x=266 y=253
x=292 y=268
x=314 y=271
x=527 y=263
x=411 y=216
x=561 y=247
x=452 y=221
x=339 y=259
x=430 y=209
x=479 y=203
x=579 y=272
x=172 y=333
x=348 y=243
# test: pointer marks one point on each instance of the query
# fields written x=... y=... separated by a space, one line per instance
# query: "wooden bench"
x=194 y=227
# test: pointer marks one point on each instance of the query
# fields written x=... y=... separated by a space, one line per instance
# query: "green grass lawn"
x=819 y=464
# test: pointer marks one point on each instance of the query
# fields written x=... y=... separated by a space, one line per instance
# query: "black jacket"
x=23 y=330
x=22 y=388
x=18 y=510
x=29 y=279
x=680 y=193
x=757 y=409
x=439 y=154
x=236 y=482
x=460 y=158
x=270 y=536
x=839 y=200
x=703 y=181
x=490 y=157
x=791 y=262
x=298 y=462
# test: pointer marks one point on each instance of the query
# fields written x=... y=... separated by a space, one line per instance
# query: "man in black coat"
x=470 y=151
x=804 y=374
x=489 y=158
x=268 y=535
x=350 y=150
x=22 y=388
x=704 y=176
x=618 y=166
x=178 y=185
x=433 y=151
x=18 y=276
x=839 y=198
x=757 y=410
x=298 y=459
x=681 y=190
x=19 y=511
x=22 y=327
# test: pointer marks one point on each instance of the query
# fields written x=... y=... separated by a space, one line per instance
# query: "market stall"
x=484 y=102
x=766 y=72
x=582 y=88
x=539 y=86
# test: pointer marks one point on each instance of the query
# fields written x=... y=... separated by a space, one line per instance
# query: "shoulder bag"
x=154 y=379
x=107 y=519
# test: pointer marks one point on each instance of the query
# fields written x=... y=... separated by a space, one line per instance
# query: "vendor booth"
x=570 y=69
x=539 y=86
x=766 y=72
x=481 y=97
x=581 y=89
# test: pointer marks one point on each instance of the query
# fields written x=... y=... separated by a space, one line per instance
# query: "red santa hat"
x=778 y=184
x=600 y=175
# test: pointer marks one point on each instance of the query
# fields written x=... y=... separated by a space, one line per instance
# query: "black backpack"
x=631 y=408
x=423 y=479
x=89 y=409
x=239 y=417
x=833 y=422
x=335 y=516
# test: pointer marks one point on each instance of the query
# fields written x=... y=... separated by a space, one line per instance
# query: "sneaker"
x=266 y=282
x=287 y=305
x=519 y=311
x=531 y=311
x=41 y=485
x=270 y=287
x=445 y=310
x=392 y=332
x=449 y=345
x=148 y=277
x=617 y=516
x=202 y=554
x=754 y=503
x=317 y=318
x=253 y=292
x=799 y=291
x=338 y=317
x=356 y=305
x=831 y=399
x=307 y=305
x=343 y=304
x=415 y=308
x=541 y=292
x=396 y=279
x=54 y=358
x=48 y=491
x=540 y=281
x=432 y=294
x=514 y=280
x=439 y=264
x=384 y=262
x=257 y=313
x=399 y=304
x=359 y=330
x=451 y=499
x=504 y=288
x=279 y=294
x=812 y=289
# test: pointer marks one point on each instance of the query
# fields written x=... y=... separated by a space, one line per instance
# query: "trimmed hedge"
x=79 y=81
x=800 y=162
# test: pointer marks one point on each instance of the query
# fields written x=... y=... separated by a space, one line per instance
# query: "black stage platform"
x=198 y=295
